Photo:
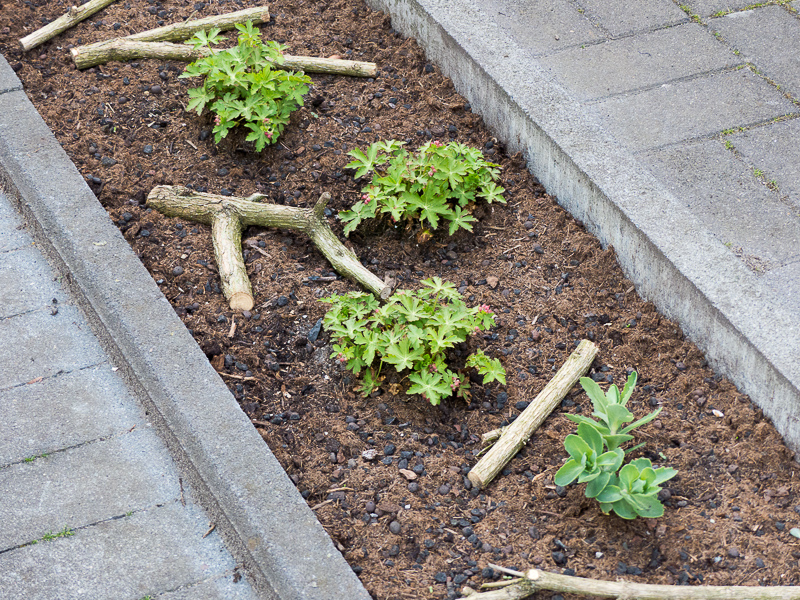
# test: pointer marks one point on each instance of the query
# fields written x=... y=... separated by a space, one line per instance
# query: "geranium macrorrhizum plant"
x=440 y=182
x=411 y=332
x=242 y=87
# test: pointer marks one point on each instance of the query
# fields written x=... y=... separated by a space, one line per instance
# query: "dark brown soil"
x=729 y=511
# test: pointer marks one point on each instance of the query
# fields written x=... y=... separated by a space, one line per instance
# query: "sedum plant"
x=597 y=459
x=440 y=183
x=243 y=87
x=412 y=332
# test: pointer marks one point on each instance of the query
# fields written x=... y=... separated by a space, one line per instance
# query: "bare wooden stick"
x=516 y=435
x=229 y=214
x=123 y=49
x=535 y=580
x=226 y=235
x=72 y=17
x=177 y=32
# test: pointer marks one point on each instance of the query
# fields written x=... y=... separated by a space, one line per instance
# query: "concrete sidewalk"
x=671 y=132
x=120 y=447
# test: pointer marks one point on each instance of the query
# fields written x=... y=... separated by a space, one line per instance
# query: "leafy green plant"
x=411 y=332
x=596 y=456
x=440 y=182
x=242 y=87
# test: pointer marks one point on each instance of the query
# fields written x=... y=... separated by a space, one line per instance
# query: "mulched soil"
x=728 y=512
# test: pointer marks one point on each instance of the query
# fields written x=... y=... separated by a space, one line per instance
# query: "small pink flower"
x=217 y=120
x=485 y=308
x=342 y=358
x=267 y=120
x=432 y=368
x=455 y=384
x=476 y=330
x=366 y=198
x=432 y=171
x=437 y=143
x=269 y=135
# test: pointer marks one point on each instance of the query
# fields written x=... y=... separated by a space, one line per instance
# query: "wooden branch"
x=535 y=580
x=123 y=49
x=177 y=32
x=229 y=214
x=226 y=235
x=516 y=435
x=72 y=17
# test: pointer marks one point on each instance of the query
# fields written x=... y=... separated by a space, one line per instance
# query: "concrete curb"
x=265 y=523
x=661 y=247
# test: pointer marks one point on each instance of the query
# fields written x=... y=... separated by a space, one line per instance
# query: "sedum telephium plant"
x=596 y=457
x=442 y=182
x=412 y=332
x=242 y=87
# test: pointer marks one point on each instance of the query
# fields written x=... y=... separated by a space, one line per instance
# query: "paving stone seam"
x=85 y=526
x=712 y=136
x=647 y=88
x=49 y=453
x=57 y=373
x=189 y=586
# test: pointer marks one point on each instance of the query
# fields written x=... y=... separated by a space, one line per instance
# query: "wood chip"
x=410 y=475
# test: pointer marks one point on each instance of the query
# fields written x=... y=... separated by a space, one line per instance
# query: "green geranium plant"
x=441 y=182
x=243 y=87
x=597 y=459
x=412 y=332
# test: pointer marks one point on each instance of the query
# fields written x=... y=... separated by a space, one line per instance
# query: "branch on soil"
x=229 y=215
x=157 y=43
x=516 y=435
x=72 y=17
x=101 y=52
x=123 y=49
x=533 y=580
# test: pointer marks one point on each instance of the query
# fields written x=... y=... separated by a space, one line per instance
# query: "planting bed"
x=728 y=512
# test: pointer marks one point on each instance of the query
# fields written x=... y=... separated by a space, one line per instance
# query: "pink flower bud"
x=432 y=368
x=432 y=171
x=437 y=143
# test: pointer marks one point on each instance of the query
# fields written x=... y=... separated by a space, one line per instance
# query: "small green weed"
x=33 y=458
x=50 y=536
x=411 y=332
x=597 y=459
x=442 y=181
x=242 y=87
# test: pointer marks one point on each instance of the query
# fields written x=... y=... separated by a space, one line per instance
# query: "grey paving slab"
x=768 y=37
x=155 y=551
x=638 y=62
x=739 y=210
x=13 y=234
x=706 y=8
x=558 y=23
x=84 y=485
x=620 y=16
x=63 y=411
x=785 y=280
x=27 y=282
x=775 y=149
x=33 y=345
x=691 y=109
